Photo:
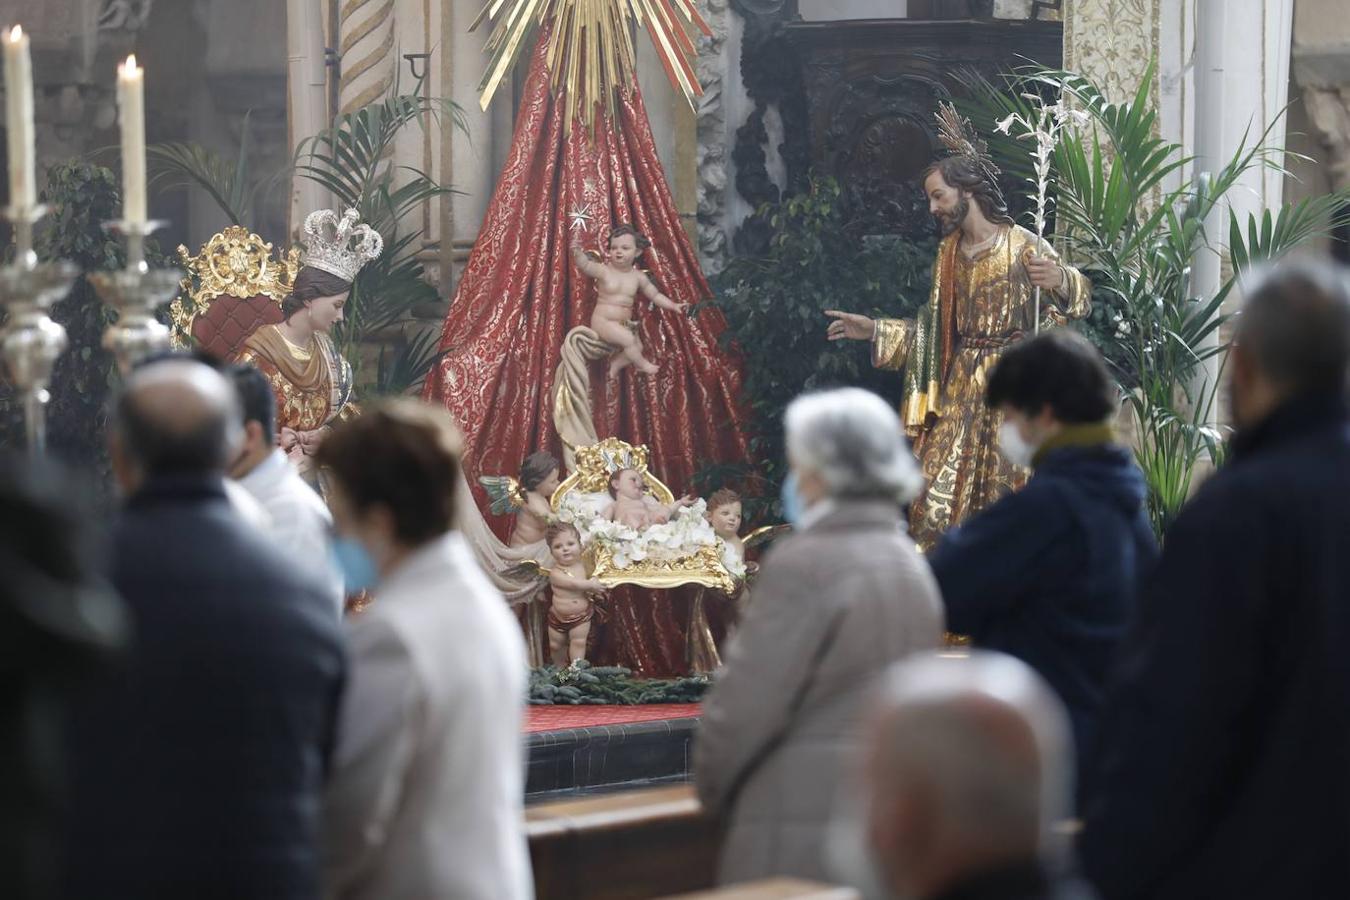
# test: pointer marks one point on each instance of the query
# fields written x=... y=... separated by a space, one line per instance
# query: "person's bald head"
x=1292 y=338
x=968 y=766
x=174 y=417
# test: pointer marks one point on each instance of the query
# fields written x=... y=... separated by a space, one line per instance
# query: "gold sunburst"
x=590 y=52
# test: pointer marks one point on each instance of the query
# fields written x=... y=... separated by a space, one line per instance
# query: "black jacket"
x=1049 y=574
x=1026 y=881
x=197 y=767
x=1226 y=740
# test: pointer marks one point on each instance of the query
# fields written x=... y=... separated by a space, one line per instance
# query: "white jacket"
x=427 y=793
x=298 y=521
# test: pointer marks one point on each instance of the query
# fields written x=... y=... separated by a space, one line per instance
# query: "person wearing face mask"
x=1227 y=729
x=835 y=603
x=427 y=793
x=1049 y=574
x=963 y=787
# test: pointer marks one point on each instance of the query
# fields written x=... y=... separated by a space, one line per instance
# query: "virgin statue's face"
x=325 y=312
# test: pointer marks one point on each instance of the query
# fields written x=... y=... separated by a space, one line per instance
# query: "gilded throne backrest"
x=233 y=287
x=596 y=463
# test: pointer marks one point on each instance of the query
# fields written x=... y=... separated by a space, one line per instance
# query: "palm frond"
x=230 y=183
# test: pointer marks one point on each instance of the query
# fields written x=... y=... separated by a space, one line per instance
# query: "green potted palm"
x=1132 y=212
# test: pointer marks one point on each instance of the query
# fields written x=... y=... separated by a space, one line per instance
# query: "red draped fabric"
x=521 y=293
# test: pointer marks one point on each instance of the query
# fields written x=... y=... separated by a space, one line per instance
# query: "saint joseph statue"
x=981 y=302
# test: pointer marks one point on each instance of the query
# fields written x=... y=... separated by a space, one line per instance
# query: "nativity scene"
x=740 y=431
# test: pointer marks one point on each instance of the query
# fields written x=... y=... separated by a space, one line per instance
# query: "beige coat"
x=426 y=795
x=834 y=605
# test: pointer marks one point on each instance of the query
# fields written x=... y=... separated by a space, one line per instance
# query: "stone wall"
x=1319 y=109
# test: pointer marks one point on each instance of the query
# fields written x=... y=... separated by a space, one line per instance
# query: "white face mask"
x=1014 y=448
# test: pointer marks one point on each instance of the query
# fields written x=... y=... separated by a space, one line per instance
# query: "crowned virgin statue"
x=311 y=381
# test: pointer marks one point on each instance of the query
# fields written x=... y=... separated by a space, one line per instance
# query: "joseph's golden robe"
x=978 y=306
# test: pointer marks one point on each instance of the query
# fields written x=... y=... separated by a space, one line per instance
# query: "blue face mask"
x=791 y=500
x=358 y=569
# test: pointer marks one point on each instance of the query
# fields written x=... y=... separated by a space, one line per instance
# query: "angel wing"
x=764 y=534
x=504 y=492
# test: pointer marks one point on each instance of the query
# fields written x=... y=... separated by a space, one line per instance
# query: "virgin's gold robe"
x=979 y=305
x=312 y=385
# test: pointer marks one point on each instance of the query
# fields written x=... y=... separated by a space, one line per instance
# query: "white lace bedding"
x=681 y=537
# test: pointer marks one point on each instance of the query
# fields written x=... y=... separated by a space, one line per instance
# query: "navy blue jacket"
x=1226 y=735
x=197 y=766
x=1049 y=574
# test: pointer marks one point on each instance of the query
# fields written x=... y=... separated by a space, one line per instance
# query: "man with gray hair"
x=835 y=603
x=966 y=778
x=196 y=766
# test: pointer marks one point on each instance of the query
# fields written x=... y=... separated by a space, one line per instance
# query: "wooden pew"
x=644 y=843
x=774 y=889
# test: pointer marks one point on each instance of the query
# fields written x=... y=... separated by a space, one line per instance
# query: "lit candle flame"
x=129 y=67
x=16 y=34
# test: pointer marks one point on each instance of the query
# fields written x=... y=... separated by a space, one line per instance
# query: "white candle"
x=19 y=118
x=131 y=107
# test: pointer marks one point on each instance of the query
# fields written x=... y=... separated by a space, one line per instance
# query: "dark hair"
x=403 y=455
x=256 y=397
x=960 y=172
x=558 y=528
x=723 y=497
x=1058 y=368
x=624 y=228
x=195 y=442
x=1295 y=326
x=311 y=284
x=535 y=469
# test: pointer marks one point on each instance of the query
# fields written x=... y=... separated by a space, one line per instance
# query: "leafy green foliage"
x=82 y=198
x=230 y=183
x=775 y=308
x=1137 y=239
x=581 y=684
x=350 y=161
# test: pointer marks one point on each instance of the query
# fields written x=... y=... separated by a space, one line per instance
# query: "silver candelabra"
x=33 y=341
x=135 y=292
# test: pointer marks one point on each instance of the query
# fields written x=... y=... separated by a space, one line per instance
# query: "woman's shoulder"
x=263 y=343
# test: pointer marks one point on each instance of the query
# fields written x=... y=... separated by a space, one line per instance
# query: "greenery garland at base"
x=582 y=684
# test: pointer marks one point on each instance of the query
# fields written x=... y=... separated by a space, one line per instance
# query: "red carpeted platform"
x=560 y=718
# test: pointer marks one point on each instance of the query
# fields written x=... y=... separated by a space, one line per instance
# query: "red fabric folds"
x=521 y=293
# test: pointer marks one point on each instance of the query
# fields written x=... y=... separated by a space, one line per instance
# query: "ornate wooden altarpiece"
x=857 y=99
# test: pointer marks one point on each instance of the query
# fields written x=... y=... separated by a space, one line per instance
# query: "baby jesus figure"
x=633 y=506
x=617 y=282
x=570 y=615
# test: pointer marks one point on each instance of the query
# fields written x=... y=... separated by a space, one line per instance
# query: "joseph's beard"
x=949 y=222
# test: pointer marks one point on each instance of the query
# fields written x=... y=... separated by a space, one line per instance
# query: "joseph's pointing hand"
x=849 y=326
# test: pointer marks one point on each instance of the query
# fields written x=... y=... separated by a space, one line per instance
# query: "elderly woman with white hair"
x=836 y=603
